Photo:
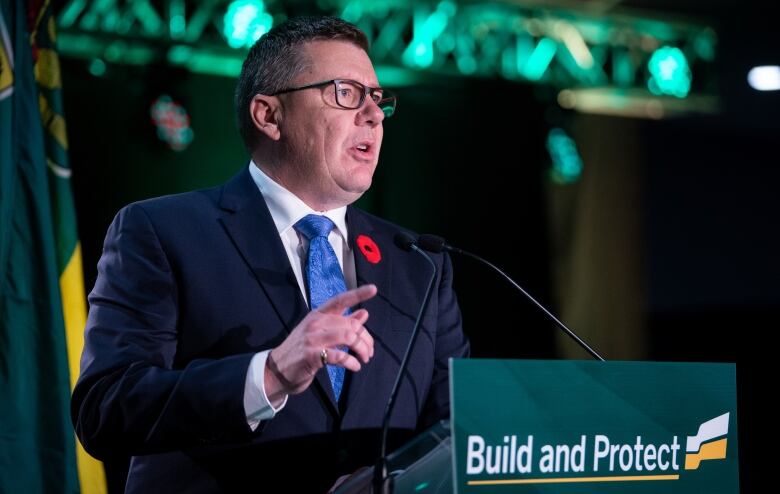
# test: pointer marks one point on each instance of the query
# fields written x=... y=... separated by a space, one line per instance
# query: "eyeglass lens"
x=349 y=95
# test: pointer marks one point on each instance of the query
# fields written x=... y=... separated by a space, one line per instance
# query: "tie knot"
x=314 y=225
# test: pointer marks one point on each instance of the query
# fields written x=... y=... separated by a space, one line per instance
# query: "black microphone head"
x=404 y=241
x=431 y=243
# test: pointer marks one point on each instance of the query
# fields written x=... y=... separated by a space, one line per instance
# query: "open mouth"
x=363 y=150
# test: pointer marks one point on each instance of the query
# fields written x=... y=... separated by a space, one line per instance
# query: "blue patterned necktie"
x=323 y=276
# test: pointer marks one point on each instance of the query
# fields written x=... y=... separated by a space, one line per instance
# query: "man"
x=219 y=351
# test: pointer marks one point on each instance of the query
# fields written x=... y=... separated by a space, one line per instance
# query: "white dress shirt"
x=286 y=209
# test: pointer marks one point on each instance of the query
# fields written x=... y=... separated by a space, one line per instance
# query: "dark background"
x=466 y=159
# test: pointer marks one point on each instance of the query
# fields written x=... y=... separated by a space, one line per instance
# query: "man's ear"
x=265 y=112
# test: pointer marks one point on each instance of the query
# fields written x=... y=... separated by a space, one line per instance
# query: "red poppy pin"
x=369 y=248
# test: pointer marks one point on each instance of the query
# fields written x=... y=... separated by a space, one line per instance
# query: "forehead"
x=336 y=60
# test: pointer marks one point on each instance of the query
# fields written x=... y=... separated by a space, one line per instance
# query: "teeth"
x=362 y=147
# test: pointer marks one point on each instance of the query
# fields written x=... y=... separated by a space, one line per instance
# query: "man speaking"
x=247 y=337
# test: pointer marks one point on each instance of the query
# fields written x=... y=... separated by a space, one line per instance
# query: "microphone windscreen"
x=403 y=240
x=431 y=243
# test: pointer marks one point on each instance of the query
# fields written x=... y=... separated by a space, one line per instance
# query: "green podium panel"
x=593 y=427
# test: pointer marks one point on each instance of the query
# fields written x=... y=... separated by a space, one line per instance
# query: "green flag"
x=42 y=307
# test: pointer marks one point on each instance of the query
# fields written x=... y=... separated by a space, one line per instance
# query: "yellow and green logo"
x=709 y=443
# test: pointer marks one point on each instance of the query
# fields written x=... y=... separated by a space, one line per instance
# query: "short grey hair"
x=276 y=59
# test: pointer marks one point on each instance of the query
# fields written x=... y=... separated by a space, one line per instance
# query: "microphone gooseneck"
x=434 y=243
x=382 y=482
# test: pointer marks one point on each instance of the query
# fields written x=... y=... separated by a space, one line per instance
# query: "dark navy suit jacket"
x=189 y=287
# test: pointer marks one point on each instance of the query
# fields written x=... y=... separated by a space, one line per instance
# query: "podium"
x=422 y=465
x=575 y=427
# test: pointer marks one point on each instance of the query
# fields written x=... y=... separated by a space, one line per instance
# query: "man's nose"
x=370 y=114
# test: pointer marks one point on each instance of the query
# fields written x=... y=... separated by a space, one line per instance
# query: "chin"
x=353 y=193
x=363 y=186
x=360 y=181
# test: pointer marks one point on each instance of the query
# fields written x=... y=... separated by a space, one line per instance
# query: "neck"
x=303 y=191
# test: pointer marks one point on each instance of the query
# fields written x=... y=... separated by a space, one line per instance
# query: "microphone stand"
x=382 y=482
x=437 y=244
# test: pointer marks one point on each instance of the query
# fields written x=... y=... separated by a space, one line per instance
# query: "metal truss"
x=560 y=45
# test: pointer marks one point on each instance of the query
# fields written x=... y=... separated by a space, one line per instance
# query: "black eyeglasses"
x=351 y=94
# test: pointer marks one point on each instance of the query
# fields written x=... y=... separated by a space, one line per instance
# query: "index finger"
x=345 y=300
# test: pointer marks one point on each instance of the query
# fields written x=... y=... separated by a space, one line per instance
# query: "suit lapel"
x=380 y=274
x=249 y=224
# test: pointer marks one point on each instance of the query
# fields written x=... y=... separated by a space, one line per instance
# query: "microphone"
x=434 y=243
x=382 y=483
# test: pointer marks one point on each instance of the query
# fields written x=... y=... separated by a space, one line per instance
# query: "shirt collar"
x=286 y=208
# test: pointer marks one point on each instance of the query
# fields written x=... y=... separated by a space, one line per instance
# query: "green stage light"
x=97 y=67
x=540 y=59
x=245 y=21
x=206 y=61
x=670 y=73
x=622 y=68
x=177 y=23
x=146 y=15
x=704 y=44
x=353 y=11
x=427 y=29
x=566 y=161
